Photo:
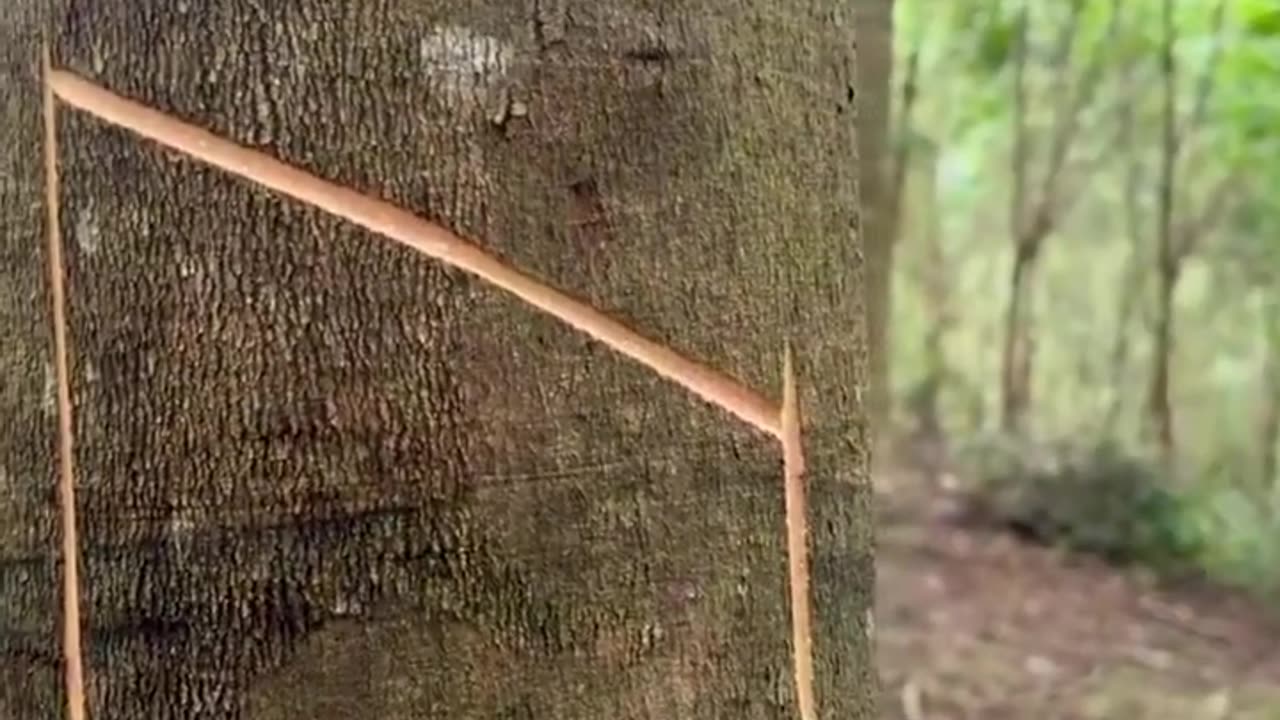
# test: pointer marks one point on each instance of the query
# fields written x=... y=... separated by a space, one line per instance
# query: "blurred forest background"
x=1078 y=213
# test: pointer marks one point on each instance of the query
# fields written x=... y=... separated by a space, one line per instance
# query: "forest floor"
x=974 y=623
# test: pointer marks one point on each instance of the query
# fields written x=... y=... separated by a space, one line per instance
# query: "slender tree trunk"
x=1131 y=291
x=902 y=142
x=1175 y=245
x=1015 y=360
x=1018 y=347
x=1268 y=438
x=936 y=284
x=1160 y=409
x=875 y=62
x=1269 y=428
x=322 y=476
x=1131 y=295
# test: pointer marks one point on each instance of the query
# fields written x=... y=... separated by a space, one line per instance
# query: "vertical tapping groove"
x=71 y=641
x=797 y=540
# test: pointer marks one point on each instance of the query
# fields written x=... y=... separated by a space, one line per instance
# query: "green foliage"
x=997 y=41
x=1261 y=17
x=1091 y=498
x=1245 y=532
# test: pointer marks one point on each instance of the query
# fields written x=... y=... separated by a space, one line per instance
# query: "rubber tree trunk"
x=875 y=62
x=322 y=476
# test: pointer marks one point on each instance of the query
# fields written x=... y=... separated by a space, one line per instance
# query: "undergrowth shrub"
x=1242 y=527
x=1093 y=498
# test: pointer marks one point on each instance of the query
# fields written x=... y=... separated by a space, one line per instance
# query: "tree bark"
x=322 y=476
x=875 y=61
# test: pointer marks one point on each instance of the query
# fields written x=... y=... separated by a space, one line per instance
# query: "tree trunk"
x=1269 y=395
x=930 y=434
x=1269 y=430
x=1168 y=258
x=1159 y=407
x=1132 y=289
x=322 y=476
x=1018 y=345
x=1015 y=363
x=875 y=62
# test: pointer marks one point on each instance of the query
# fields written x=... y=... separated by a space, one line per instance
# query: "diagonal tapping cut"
x=783 y=423
x=428 y=238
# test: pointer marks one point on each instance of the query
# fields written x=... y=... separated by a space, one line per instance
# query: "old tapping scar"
x=383 y=218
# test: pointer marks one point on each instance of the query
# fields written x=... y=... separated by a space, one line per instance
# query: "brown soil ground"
x=973 y=623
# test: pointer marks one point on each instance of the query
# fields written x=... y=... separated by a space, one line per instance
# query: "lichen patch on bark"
x=463 y=64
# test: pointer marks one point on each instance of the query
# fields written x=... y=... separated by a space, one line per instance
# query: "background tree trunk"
x=1133 y=288
x=1015 y=360
x=875 y=61
x=1019 y=348
x=1269 y=425
x=1268 y=438
x=928 y=439
x=1159 y=407
x=322 y=476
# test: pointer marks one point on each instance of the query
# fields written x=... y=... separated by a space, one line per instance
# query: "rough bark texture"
x=322 y=476
x=875 y=60
x=29 y=651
